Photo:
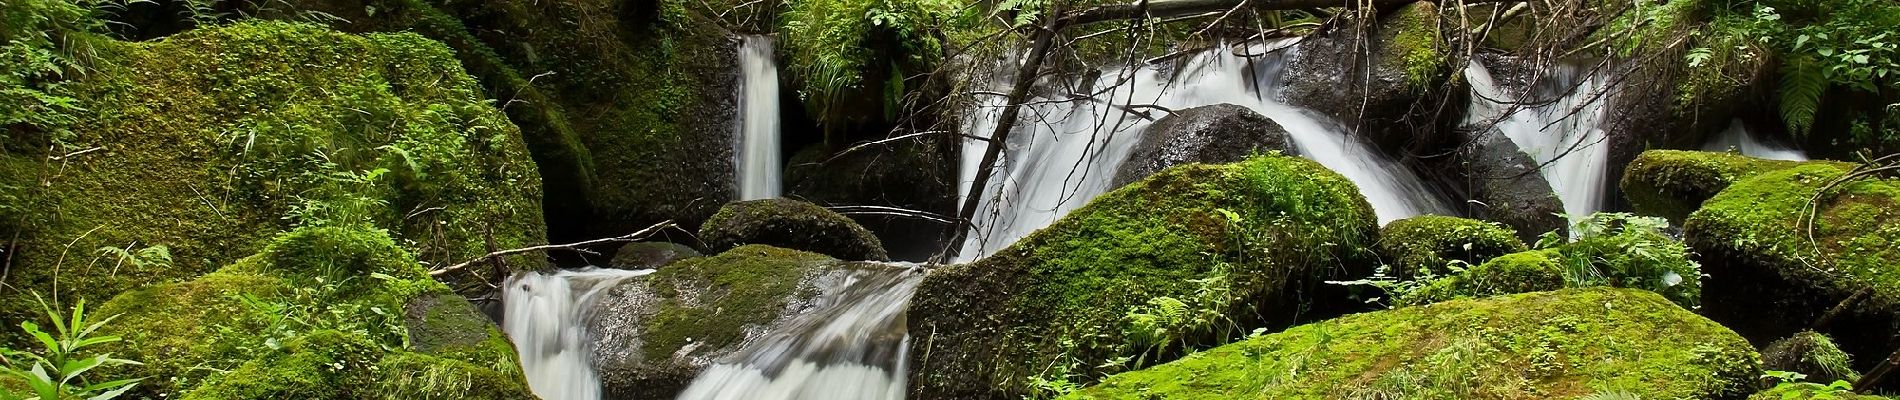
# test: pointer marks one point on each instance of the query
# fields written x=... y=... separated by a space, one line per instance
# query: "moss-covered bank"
x=1673 y=183
x=212 y=141
x=1192 y=256
x=1547 y=345
x=1780 y=251
x=372 y=297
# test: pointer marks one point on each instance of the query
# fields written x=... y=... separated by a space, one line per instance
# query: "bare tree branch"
x=631 y=237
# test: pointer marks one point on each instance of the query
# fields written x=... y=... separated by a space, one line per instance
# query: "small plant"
x=58 y=370
x=1792 y=385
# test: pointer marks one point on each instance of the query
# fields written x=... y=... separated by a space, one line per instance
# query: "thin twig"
x=631 y=237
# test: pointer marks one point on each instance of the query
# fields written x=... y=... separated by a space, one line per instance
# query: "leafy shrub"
x=1625 y=250
x=59 y=369
x=831 y=46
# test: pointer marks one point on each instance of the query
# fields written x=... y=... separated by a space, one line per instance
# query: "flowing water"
x=1560 y=131
x=545 y=315
x=1065 y=153
x=852 y=347
x=1738 y=138
x=757 y=157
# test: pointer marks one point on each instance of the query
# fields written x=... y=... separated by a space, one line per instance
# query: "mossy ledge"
x=1673 y=183
x=216 y=139
x=1546 y=345
x=247 y=318
x=1771 y=273
x=1262 y=233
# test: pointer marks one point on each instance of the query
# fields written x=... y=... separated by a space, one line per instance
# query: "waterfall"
x=1066 y=152
x=851 y=347
x=1738 y=138
x=1564 y=136
x=756 y=157
x=546 y=316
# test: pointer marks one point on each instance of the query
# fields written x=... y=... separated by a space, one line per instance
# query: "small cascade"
x=852 y=347
x=546 y=316
x=1738 y=138
x=757 y=157
x=1066 y=152
x=1564 y=136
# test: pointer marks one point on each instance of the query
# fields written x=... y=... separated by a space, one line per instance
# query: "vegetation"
x=1429 y=245
x=790 y=224
x=1559 y=344
x=59 y=369
x=1673 y=183
x=1624 y=250
x=837 y=50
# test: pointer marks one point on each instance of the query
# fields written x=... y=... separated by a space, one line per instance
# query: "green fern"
x=1802 y=82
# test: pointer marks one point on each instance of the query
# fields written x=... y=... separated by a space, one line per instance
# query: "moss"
x=1774 y=271
x=1647 y=27
x=1418 y=46
x=790 y=224
x=1432 y=242
x=1524 y=272
x=308 y=280
x=1262 y=234
x=1673 y=183
x=1563 y=344
x=1811 y=391
x=335 y=365
x=216 y=139
x=707 y=302
x=1812 y=354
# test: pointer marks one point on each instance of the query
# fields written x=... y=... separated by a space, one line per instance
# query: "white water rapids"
x=1565 y=135
x=1065 y=153
x=851 y=347
x=756 y=153
x=545 y=315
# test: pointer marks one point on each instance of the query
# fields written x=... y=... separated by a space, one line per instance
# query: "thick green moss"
x=335 y=365
x=790 y=224
x=1810 y=353
x=1530 y=271
x=311 y=279
x=1418 y=47
x=214 y=140
x=1673 y=183
x=708 y=301
x=1772 y=271
x=1430 y=243
x=1249 y=242
x=1547 y=345
x=1811 y=391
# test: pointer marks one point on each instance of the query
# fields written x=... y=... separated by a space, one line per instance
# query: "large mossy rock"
x=1263 y=234
x=1778 y=257
x=1373 y=75
x=790 y=224
x=918 y=174
x=654 y=334
x=1216 y=134
x=212 y=141
x=1430 y=243
x=1547 y=345
x=1523 y=272
x=1673 y=183
x=312 y=280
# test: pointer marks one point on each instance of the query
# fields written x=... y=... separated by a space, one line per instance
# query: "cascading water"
x=852 y=347
x=757 y=154
x=1738 y=138
x=1066 y=152
x=1563 y=136
x=546 y=316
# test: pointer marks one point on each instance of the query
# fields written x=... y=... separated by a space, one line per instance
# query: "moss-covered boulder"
x=1372 y=75
x=309 y=280
x=210 y=142
x=654 y=334
x=1428 y=244
x=645 y=255
x=1215 y=134
x=1673 y=183
x=1809 y=353
x=1812 y=391
x=918 y=174
x=1780 y=252
x=790 y=224
x=1547 y=345
x=1187 y=257
x=331 y=364
x=1525 y=272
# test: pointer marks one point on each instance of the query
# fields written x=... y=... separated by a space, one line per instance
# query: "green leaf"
x=1802 y=84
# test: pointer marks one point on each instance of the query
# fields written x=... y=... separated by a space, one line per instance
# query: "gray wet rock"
x=1507 y=187
x=1220 y=133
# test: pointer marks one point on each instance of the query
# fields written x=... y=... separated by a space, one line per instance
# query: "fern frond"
x=1801 y=85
